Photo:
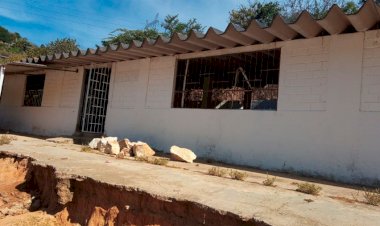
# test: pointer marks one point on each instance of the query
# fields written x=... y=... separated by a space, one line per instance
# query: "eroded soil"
x=33 y=194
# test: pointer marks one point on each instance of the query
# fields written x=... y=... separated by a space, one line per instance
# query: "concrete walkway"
x=280 y=205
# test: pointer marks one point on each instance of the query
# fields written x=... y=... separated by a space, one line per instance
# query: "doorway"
x=95 y=100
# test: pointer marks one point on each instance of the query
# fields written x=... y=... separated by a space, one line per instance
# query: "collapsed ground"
x=66 y=186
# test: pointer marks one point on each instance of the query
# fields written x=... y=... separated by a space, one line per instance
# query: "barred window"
x=34 y=90
x=235 y=81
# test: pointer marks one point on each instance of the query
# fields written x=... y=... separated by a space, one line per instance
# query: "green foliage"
x=63 y=45
x=7 y=36
x=127 y=36
x=262 y=12
x=172 y=25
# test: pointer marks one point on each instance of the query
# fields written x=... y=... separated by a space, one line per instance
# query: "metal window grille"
x=235 y=81
x=34 y=90
x=95 y=100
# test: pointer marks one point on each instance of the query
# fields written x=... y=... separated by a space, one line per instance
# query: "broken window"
x=34 y=90
x=236 y=81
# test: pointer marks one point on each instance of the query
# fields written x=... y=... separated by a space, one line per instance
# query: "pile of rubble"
x=125 y=148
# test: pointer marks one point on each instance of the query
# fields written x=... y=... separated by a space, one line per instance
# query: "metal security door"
x=95 y=100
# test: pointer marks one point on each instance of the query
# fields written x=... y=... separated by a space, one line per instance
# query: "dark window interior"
x=236 y=81
x=34 y=90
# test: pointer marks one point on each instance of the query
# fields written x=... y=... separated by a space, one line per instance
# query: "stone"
x=103 y=142
x=112 y=147
x=125 y=152
x=182 y=154
x=141 y=149
x=94 y=143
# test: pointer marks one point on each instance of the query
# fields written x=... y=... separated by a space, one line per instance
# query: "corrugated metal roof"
x=335 y=22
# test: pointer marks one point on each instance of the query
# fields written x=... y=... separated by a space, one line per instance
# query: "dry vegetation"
x=237 y=175
x=85 y=149
x=154 y=160
x=216 y=171
x=269 y=181
x=6 y=139
x=372 y=197
x=309 y=188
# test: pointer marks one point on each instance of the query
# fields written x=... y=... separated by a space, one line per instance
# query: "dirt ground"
x=172 y=186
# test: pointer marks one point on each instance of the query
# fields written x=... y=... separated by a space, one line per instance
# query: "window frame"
x=40 y=97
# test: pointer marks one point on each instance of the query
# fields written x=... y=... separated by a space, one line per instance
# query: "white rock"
x=141 y=149
x=94 y=143
x=182 y=154
x=112 y=147
x=103 y=142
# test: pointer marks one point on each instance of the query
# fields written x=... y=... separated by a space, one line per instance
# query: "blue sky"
x=89 y=21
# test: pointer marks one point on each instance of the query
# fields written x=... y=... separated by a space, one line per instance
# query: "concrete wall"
x=321 y=127
x=59 y=109
x=327 y=123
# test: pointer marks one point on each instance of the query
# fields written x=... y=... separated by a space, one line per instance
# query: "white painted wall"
x=318 y=128
x=327 y=123
x=59 y=109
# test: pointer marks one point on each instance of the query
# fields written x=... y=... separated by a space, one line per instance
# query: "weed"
x=309 y=188
x=141 y=158
x=155 y=161
x=216 y=171
x=6 y=139
x=159 y=161
x=372 y=197
x=85 y=149
x=355 y=196
x=269 y=181
x=236 y=175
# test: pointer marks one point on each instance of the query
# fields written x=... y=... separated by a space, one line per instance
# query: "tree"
x=317 y=8
x=263 y=12
x=127 y=36
x=61 y=45
x=172 y=25
x=289 y=10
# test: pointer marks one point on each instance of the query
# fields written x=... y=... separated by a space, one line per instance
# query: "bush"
x=159 y=161
x=5 y=139
x=309 y=188
x=236 y=175
x=153 y=160
x=372 y=197
x=269 y=181
x=216 y=171
x=85 y=149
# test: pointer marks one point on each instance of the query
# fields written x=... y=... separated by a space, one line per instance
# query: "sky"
x=90 y=21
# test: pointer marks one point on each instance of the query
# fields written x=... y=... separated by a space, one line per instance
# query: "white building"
x=302 y=97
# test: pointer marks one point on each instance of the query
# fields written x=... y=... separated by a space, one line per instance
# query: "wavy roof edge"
x=305 y=26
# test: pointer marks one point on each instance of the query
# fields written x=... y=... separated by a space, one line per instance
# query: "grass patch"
x=237 y=175
x=269 y=181
x=372 y=197
x=159 y=161
x=85 y=149
x=309 y=188
x=153 y=160
x=216 y=171
x=6 y=139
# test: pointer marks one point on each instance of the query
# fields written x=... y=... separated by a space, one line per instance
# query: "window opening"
x=34 y=90
x=235 y=81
